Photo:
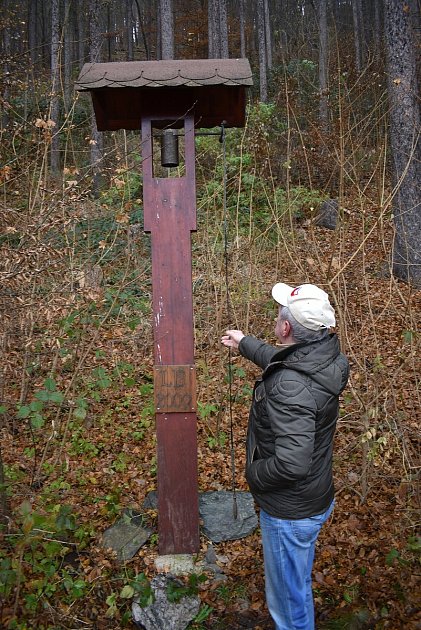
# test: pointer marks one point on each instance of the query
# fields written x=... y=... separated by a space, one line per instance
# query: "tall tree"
x=223 y=29
x=129 y=29
x=167 y=29
x=55 y=84
x=268 y=34
x=405 y=132
x=377 y=27
x=141 y=28
x=357 y=36
x=217 y=29
x=323 y=63
x=81 y=29
x=261 y=42
x=6 y=53
x=32 y=33
x=95 y=57
x=242 y=29
x=68 y=51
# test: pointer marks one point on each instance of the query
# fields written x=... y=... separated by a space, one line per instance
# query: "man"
x=290 y=442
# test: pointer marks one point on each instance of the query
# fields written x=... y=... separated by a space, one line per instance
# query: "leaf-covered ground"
x=81 y=445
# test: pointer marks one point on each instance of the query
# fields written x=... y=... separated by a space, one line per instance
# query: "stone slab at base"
x=176 y=564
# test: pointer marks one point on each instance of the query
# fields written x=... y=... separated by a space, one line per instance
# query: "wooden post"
x=170 y=217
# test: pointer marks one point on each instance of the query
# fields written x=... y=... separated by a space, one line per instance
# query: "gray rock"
x=162 y=614
x=216 y=512
x=151 y=501
x=210 y=556
x=127 y=535
x=328 y=214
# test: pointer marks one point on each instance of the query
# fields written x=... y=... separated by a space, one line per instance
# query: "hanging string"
x=228 y=306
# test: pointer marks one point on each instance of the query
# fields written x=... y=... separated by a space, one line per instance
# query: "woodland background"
x=326 y=119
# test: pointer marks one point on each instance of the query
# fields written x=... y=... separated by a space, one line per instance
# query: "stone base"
x=176 y=564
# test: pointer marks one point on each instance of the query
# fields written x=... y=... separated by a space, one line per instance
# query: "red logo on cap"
x=295 y=291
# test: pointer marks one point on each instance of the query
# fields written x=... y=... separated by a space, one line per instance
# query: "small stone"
x=151 y=501
x=210 y=556
x=328 y=214
x=127 y=535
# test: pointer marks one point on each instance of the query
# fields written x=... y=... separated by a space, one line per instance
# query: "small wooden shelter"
x=174 y=94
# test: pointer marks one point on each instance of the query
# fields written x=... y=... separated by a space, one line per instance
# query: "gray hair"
x=299 y=332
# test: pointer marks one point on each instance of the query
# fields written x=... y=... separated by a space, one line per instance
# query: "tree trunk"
x=95 y=57
x=142 y=30
x=32 y=34
x=129 y=30
x=110 y=29
x=242 y=30
x=167 y=29
x=405 y=141
x=268 y=34
x=55 y=85
x=223 y=29
x=68 y=53
x=377 y=36
x=323 y=64
x=261 y=41
x=5 y=119
x=81 y=29
x=357 y=37
x=214 y=42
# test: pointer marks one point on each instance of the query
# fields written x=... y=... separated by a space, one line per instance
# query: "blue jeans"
x=288 y=551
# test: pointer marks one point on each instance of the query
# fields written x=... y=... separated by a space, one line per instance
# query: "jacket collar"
x=307 y=356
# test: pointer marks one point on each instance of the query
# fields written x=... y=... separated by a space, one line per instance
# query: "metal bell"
x=169 y=148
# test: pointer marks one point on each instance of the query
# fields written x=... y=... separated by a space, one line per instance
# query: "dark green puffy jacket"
x=292 y=425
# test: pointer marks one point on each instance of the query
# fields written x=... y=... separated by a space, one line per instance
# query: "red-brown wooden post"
x=201 y=92
x=170 y=217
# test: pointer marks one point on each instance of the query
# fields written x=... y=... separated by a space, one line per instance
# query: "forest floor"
x=366 y=572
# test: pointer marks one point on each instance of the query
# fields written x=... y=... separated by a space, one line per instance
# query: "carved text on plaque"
x=175 y=388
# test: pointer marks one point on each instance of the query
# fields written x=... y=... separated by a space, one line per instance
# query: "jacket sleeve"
x=291 y=411
x=257 y=351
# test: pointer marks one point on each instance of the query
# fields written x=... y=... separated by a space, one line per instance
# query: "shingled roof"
x=168 y=73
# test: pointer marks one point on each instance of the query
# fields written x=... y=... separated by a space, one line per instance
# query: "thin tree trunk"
x=68 y=53
x=323 y=65
x=167 y=29
x=95 y=57
x=142 y=30
x=81 y=29
x=377 y=27
x=55 y=85
x=223 y=29
x=405 y=129
x=32 y=34
x=214 y=41
x=242 y=30
x=129 y=29
x=5 y=118
x=261 y=40
x=363 y=31
x=268 y=34
x=357 y=37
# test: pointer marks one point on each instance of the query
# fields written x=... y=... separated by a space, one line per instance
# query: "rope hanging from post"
x=228 y=306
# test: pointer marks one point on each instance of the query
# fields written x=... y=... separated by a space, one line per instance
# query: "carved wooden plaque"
x=175 y=388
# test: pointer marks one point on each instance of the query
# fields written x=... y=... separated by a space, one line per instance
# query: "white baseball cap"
x=308 y=304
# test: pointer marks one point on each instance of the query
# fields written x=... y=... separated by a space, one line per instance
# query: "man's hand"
x=232 y=338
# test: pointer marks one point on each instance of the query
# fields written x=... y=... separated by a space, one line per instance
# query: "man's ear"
x=286 y=328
